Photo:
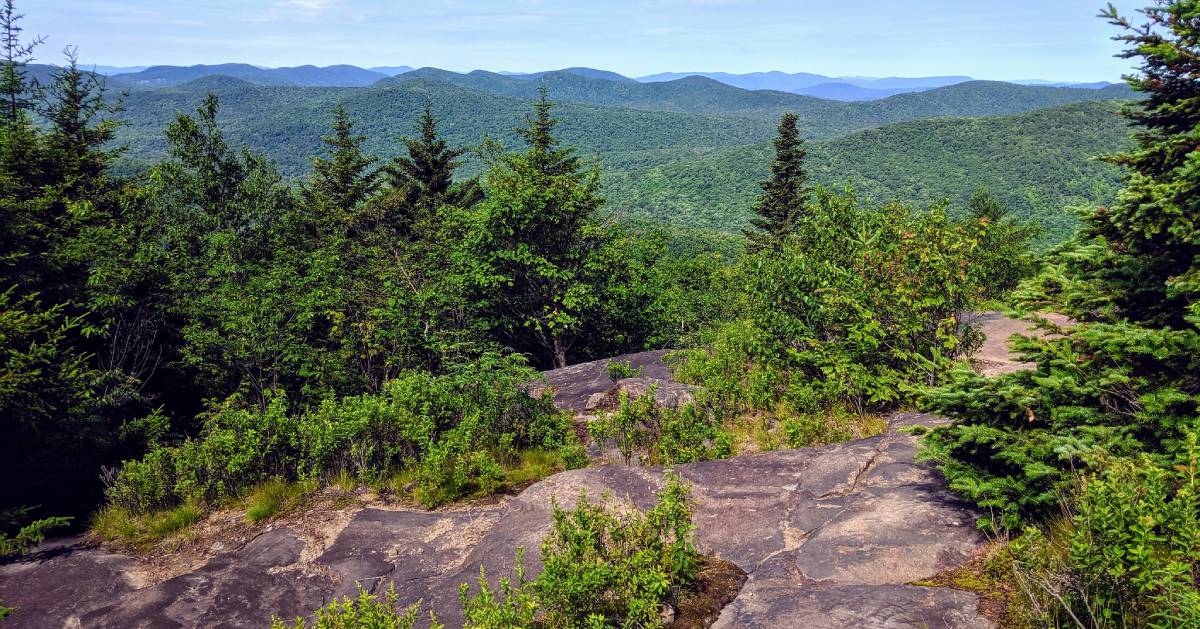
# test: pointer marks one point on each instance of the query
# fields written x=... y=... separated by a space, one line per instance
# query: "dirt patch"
x=717 y=584
x=988 y=575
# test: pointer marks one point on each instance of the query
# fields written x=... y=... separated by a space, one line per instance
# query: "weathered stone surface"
x=62 y=581
x=829 y=537
x=667 y=393
x=575 y=385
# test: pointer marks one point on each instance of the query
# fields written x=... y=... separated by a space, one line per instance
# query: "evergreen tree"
x=1002 y=259
x=423 y=180
x=784 y=200
x=16 y=54
x=1155 y=224
x=538 y=242
x=344 y=180
x=1122 y=379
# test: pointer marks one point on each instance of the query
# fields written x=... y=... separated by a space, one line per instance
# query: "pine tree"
x=784 y=201
x=1122 y=379
x=539 y=240
x=15 y=54
x=423 y=180
x=344 y=180
x=1155 y=224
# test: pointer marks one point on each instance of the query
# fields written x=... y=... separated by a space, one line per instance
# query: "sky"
x=1060 y=40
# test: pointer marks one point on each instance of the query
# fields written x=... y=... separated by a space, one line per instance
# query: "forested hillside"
x=701 y=169
x=1037 y=163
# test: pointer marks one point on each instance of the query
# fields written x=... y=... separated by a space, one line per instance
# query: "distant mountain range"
x=847 y=89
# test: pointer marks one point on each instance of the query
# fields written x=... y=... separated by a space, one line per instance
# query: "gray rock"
x=829 y=537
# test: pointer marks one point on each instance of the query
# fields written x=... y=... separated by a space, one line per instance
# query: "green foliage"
x=604 y=566
x=856 y=308
x=1127 y=555
x=274 y=497
x=512 y=604
x=26 y=535
x=1119 y=382
x=1113 y=396
x=366 y=611
x=619 y=370
x=782 y=204
x=1035 y=163
x=453 y=428
x=620 y=567
x=535 y=249
x=629 y=428
x=1004 y=257
x=667 y=435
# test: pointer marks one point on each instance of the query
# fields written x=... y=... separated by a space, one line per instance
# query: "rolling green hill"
x=818 y=117
x=700 y=169
x=1038 y=163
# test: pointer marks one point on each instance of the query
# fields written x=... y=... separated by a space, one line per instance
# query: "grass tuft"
x=274 y=497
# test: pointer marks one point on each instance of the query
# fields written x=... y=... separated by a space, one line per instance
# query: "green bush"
x=621 y=566
x=1128 y=555
x=668 y=436
x=27 y=535
x=859 y=307
x=457 y=430
x=603 y=566
x=512 y=604
x=619 y=370
x=364 y=612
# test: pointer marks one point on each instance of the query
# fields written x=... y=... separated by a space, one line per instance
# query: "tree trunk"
x=560 y=352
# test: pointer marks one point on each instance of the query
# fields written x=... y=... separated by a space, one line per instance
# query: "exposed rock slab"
x=575 y=385
x=830 y=537
x=995 y=356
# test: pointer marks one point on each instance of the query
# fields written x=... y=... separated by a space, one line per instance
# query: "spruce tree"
x=1122 y=378
x=342 y=181
x=539 y=240
x=423 y=180
x=1155 y=224
x=15 y=89
x=784 y=199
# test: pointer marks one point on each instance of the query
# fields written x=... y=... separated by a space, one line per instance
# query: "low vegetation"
x=603 y=565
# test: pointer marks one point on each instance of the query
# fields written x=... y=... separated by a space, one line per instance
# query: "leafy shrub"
x=630 y=427
x=689 y=434
x=816 y=428
x=27 y=535
x=512 y=604
x=603 y=566
x=457 y=430
x=365 y=611
x=621 y=566
x=858 y=307
x=667 y=435
x=1127 y=554
x=619 y=370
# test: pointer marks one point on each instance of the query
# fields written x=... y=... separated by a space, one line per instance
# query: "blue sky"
x=1017 y=39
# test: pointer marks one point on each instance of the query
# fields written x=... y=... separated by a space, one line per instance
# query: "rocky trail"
x=829 y=537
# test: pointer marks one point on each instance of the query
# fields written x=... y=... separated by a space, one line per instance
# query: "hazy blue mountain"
x=392 y=70
x=781 y=81
x=166 y=76
x=909 y=83
x=311 y=76
x=794 y=82
x=108 y=70
x=1096 y=85
x=850 y=92
x=590 y=73
x=818 y=117
x=330 y=76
